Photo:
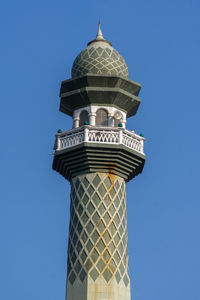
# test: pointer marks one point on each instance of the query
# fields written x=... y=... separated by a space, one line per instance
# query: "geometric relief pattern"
x=99 y=60
x=98 y=228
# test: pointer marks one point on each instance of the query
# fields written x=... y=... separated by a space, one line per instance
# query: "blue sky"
x=160 y=42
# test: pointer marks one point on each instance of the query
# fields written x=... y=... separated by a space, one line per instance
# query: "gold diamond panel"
x=98 y=228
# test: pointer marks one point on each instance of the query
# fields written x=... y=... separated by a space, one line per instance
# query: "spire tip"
x=99 y=36
x=99 y=33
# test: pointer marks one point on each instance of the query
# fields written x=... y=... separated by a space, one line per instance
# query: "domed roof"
x=99 y=58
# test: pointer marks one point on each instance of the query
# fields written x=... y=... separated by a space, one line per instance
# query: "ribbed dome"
x=99 y=58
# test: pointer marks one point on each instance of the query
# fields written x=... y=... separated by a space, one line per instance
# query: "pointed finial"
x=99 y=35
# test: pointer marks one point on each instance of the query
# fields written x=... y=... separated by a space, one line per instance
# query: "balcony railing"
x=99 y=135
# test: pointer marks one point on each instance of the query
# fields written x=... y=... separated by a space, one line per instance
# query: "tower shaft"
x=97 y=247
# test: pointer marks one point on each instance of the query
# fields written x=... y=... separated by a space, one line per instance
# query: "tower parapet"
x=98 y=156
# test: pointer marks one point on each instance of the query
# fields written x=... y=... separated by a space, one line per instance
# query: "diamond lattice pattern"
x=98 y=60
x=98 y=228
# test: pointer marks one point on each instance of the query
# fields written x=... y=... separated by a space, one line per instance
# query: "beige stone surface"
x=98 y=290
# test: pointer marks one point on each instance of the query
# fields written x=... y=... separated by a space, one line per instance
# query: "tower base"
x=98 y=290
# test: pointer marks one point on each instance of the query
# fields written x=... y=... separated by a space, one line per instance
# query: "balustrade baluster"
x=120 y=136
x=86 y=135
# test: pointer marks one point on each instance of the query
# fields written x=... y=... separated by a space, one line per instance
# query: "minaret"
x=98 y=156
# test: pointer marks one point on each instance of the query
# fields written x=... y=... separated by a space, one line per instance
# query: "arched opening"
x=83 y=118
x=101 y=117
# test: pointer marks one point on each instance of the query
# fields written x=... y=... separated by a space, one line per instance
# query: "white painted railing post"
x=142 y=146
x=58 y=143
x=120 y=136
x=86 y=130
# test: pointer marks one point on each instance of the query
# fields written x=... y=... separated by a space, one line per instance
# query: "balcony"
x=99 y=135
x=90 y=149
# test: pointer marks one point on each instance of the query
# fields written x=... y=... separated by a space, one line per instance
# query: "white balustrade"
x=101 y=135
x=129 y=141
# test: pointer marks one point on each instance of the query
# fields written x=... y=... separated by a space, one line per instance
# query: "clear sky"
x=160 y=42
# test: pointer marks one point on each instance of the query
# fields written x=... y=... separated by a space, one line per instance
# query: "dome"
x=99 y=58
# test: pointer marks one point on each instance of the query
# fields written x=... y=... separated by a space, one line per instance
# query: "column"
x=110 y=120
x=76 y=122
x=92 y=119
x=123 y=123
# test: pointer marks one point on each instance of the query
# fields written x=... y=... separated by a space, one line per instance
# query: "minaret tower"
x=98 y=156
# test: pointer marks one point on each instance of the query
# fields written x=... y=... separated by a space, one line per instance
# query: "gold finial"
x=99 y=33
x=99 y=36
